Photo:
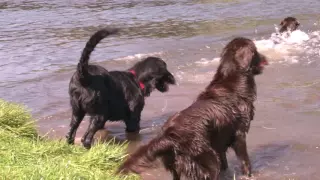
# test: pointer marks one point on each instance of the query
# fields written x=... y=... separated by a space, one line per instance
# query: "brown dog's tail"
x=145 y=155
x=91 y=44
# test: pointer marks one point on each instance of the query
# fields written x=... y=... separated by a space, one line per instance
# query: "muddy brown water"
x=41 y=41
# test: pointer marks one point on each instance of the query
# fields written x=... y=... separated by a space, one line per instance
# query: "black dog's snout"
x=170 y=78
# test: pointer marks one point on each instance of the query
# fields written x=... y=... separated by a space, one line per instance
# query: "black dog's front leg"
x=77 y=116
x=240 y=148
x=133 y=123
x=95 y=124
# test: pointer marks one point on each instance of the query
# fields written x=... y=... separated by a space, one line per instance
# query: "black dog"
x=289 y=24
x=193 y=142
x=115 y=95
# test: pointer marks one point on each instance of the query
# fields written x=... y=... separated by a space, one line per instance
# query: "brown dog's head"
x=289 y=24
x=241 y=56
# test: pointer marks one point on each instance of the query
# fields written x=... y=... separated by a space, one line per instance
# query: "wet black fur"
x=114 y=95
x=193 y=142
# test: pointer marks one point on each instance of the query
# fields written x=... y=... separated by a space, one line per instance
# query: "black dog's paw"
x=86 y=144
x=69 y=140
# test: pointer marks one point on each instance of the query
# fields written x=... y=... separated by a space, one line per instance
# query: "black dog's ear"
x=244 y=57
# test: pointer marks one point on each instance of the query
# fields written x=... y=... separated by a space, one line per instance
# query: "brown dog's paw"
x=246 y=170
x=123 y=170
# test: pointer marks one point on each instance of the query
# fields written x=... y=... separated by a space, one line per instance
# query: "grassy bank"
x=25 y=155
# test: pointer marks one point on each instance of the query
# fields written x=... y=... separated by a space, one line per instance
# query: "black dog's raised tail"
x=91 y=44
x=142 y=159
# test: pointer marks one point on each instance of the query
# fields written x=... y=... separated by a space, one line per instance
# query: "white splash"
x=286 y=45
x=165 y=105
x=298 y=37
x=282 y=42
x=286 y=48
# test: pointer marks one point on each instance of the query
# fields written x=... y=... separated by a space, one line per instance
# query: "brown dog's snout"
x=263 y=60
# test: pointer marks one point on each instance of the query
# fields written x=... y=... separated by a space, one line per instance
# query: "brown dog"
x=193 y=142
x=289 y=24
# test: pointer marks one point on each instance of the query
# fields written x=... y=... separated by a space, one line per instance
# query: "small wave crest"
x=205 y=61
x=194 y=77
x=138 y=56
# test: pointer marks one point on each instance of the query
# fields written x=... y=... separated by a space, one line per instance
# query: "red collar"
x=135 y=75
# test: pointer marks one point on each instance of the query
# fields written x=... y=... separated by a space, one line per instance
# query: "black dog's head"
x=241 y=56
x=153 y=73
x=289 y=24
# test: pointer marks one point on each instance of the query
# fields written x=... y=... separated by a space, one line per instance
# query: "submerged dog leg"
x=240 y=148
x=175 y=175
x=205 y=166
x=169 y=164
x=95 y=124
x=77 y=116
x=211 y=164
x=224 y=161
x=133 y=123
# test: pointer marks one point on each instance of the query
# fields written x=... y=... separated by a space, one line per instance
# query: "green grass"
x=16 y=119
x=25 y=155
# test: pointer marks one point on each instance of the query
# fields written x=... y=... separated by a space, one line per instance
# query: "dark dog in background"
x=193 y=142
x=289 y=24
x=114 y=95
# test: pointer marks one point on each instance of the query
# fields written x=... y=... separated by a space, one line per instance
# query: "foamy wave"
x=138 y=56
x=204 y=61
x=285 y=47
x=295 y=37
x=284 y=43
x=194 y=77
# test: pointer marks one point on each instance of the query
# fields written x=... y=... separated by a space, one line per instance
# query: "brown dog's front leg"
x=240 y=148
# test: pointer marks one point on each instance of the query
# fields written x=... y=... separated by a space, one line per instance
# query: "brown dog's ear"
x=244 y=57
x=227 y=65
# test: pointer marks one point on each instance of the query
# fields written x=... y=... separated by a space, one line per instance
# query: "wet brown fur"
x=193 y=142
